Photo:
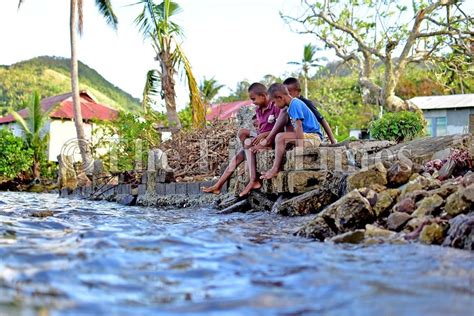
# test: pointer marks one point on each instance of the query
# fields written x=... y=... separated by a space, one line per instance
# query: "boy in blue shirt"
x=307 y=129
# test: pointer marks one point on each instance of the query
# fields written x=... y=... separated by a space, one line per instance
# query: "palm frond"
x=23 y=125
x=105 y=8
x=152 y=88
x=197 y=105
x=20 y=2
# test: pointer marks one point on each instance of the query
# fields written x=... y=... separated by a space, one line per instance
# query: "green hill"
x=50 y=76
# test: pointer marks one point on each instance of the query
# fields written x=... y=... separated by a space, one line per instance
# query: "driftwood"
x=200 y=152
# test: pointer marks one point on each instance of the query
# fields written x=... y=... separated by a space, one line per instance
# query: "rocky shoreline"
x=361 y=192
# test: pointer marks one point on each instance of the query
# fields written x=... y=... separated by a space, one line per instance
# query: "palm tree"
x=32 y=129
x=155 y=24
x=209 y=89
x=76 y=25
x=308 y=61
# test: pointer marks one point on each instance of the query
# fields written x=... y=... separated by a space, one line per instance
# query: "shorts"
x=312 y=139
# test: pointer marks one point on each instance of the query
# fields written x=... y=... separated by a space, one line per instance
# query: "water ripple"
x=89 y=257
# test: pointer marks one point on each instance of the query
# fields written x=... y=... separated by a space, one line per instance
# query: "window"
x=437 y=126
x=441 y=126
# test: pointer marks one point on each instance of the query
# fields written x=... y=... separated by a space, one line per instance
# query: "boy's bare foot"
x=212 y=189
x=269 y=174
x=253 y=185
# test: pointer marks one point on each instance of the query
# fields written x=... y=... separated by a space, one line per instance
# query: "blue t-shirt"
x=297 y=110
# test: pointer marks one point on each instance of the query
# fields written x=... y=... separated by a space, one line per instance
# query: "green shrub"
x=398 y=126
x=15 y=156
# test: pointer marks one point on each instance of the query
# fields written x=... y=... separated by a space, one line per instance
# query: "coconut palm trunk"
x=168 y=87
x=81 y=137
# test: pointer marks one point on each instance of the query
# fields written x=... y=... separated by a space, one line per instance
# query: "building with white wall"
x=61 y=126
x=447 y=114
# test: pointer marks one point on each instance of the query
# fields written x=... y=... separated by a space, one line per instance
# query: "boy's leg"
x=254 y=183
x=242 y=135
x=280 y=143
x=234 y=162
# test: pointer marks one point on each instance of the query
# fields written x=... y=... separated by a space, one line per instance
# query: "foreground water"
x=103 y=258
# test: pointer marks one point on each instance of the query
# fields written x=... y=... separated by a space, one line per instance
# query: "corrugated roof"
x=436 y=102
x=223 y=111
x=89 y=108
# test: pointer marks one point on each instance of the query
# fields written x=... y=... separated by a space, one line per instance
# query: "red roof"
x=89 y=107
x=225 y=111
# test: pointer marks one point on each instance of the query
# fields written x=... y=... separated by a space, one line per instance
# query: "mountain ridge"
x=49 y=75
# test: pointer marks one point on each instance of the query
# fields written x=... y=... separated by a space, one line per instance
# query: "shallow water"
x=103 y=258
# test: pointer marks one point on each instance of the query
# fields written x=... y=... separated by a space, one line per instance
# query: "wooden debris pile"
x=200 y=153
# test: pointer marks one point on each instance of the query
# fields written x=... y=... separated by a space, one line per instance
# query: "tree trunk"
x=82 y=141
x=389 y=100
x=168 y=88
x=306 y=84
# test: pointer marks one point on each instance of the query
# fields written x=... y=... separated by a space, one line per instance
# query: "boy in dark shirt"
x=294 y=88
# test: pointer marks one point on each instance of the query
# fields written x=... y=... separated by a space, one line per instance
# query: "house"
x=447 y=114
x=61 y=126
x=224 y=111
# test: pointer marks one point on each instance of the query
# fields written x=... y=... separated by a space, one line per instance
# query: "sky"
x=229 y=40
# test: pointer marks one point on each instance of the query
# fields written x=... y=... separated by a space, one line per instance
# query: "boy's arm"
x=280 y=124
x=328 y=131
x=299 y=133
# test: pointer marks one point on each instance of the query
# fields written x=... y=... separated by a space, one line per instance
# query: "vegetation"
x=50 y=76
x=33 y=131
x=309 y=61
x=364 y=33
x=156 y=25
x=209 y=89
x=124 y=144
x=398 y=126
x=15 y=156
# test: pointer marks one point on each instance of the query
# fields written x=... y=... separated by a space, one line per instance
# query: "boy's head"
x=279 y=94
x=258 y=94
x=293 y=86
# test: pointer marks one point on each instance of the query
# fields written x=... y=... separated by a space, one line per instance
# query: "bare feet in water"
x=213 y=189
x=269 y=174
x=253 y=185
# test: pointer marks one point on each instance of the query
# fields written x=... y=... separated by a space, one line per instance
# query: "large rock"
x=399 y=173
x=385 y=200
x=306 y=180
x=406 y=205
x=353 y=237
x=422 y=150
x=317 y=229
x=420 y=183
x=397 y=220
x=432 y=234
x=309 y=202
x=375 y=174
x=429 y=205
x=351 y=212
x=460 y=201
x=461 y=232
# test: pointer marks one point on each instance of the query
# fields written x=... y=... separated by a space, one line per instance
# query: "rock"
x=445 y=190
x=316 y=229
x=126 y=199
x=461 y=232
x=370 y=195
x=309 y=202
x=241 y=206
x=375 y=174
x=428 y=205
x=372 y=231
x=468 y=193
x=306 y=180
x=458 y=202
x=432 y=234
x=468 y=179
x=406 y=205
x=398 y=174
x=260 y=202
x=227 y=201
x=278 y=203
x=414 y=223
x=397 y=220
x=66 y=173
x=385 y=200
x=42 y=214
x=354 y=237
x=420 y=183
x=447 y=169
x=416 y=195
